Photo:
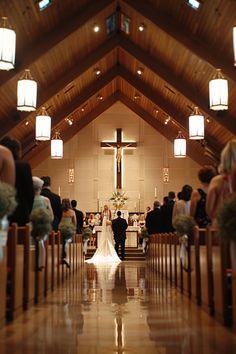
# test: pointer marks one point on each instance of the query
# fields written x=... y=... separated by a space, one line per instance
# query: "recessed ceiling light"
x=137 y=96
x=26 y=122
x=43 y=4
x=96 y=28
x=97 y=71
x=139 y=71
x=100 y=97
x=141 y=27
x=194 y=4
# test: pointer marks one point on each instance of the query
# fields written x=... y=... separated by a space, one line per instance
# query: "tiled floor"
x=121 y=309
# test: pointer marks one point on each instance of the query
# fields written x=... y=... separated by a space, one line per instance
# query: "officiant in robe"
x=119 y=226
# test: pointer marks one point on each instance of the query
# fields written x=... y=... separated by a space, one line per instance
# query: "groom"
x=119 y=226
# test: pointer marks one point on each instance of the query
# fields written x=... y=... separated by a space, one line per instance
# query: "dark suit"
x=80 y=220
x=56 y=206
x=154 y=222
x=25 y=193
x=119 y=227
x=167 y=210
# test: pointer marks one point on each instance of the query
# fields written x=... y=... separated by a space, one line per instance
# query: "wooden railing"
x=208 y=280
x=23 y=284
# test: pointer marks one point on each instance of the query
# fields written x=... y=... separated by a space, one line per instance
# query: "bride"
x=105 y=252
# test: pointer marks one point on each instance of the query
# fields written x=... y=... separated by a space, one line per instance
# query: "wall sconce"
x=180 y=145
x=196 y=125
x=165 y=175
x=43 y=126
x=7 y=46
x=218 y=92
x=26 y=92
x=57 y=147
x=71 y=177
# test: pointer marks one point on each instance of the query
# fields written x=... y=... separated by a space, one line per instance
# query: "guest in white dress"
x=105 y=252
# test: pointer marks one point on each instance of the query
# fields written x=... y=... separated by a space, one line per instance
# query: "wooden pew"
x=220 y=277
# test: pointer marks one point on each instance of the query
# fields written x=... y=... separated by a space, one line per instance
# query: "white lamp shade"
x=56 y=148
x=26 y=95
x=7 y=47
x=43 y=128
x=196 y=126
x=180 y=146
x=234 y=44
x=218 y=93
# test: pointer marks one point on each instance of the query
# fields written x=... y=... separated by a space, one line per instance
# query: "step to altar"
x=131 y=254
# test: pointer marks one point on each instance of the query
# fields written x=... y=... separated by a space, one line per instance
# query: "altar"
x=131 y=236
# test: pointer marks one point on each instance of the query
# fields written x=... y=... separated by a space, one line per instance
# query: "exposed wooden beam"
x=163 y=104
x=179 y=85
x=81 y=66
x=55 y=37
x=194 y=151
x=185 y=38
x=69 y=108
x=41 y=152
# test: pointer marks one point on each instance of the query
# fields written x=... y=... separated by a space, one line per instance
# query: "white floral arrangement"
x=118 y=199
x=7 y=199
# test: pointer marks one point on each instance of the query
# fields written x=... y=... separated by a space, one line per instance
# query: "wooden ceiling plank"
x=81 y=66
x=192 y=149
x=164 y=72
x=68 y=109
x=164 y=105
x=34 y=157
x=187 y=39
x=55 y=37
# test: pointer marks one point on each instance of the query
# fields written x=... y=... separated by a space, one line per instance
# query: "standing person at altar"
x=106 y=212
x=119 y=226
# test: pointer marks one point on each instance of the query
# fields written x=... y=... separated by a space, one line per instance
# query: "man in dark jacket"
x=79 y=217
x=119 y=226
x=54 y=199
x=167 y=211
x=154 y=223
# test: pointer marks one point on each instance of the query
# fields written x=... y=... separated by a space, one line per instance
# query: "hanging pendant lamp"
x=57 y=147
x=43 y=126
x=234 y=44
x=180 y=145
x=196 y=125
x=26 y=93
x=7 y=46
x=218 y=92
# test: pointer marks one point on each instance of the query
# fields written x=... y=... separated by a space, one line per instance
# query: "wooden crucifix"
x=119 y=145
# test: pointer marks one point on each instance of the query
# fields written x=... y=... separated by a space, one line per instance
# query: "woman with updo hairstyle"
x=199 y=195
x=182 y=206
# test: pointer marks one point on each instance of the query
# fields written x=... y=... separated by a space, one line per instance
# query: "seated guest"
x=54 y=199
x=198 y=197
x=154 y=219
x=7 y=166
x=23 y=184
x=79 y=217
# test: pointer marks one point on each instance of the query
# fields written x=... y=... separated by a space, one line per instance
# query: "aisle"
x=123 y=309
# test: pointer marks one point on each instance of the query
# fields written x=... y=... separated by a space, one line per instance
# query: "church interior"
x=116 y=83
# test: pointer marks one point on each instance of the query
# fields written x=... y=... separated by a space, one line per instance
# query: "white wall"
x=94 y=166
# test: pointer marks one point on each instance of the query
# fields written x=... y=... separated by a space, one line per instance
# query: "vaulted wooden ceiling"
x=178 y=52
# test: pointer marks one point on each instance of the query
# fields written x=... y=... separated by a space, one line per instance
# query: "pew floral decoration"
x=7 y=206
x=7 y=199
x=184 y=225
x=226 y=219
x=41 y=223
x=86 y=235
x=118 y=199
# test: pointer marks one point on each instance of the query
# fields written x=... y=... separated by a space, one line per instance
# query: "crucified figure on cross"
x=118 y=145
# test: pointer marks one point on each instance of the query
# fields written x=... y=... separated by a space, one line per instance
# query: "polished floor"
x=122 y=309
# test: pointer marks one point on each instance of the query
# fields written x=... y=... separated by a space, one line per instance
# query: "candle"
x=139 y=196
x=155 y=192
x=59 y=191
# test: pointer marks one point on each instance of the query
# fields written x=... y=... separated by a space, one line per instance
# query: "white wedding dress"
x=106 y=252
